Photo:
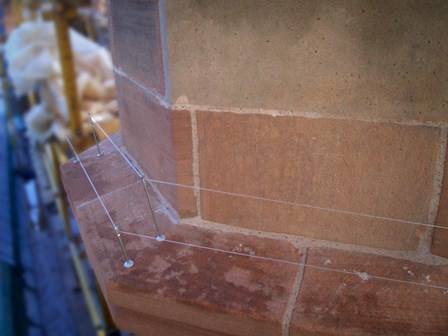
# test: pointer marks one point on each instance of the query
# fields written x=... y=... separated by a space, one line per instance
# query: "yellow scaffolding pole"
x=17 y=11
x=61 y=14
x=53 y=153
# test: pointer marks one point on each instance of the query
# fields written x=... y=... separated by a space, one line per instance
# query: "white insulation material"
x=33 y=64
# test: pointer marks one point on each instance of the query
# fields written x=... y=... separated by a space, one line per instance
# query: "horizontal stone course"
x=359 y=168
x=332 y=303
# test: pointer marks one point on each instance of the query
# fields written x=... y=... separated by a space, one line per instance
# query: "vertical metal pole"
x=160 y=237
x=100 y=153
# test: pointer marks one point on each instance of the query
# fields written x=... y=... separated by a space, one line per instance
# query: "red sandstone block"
x=199 y=290
x=136 y=41
x=206 y=289
x=371 y=168
x=182 y=289
x=95 y=166
x=332 y=303
x=160 y=141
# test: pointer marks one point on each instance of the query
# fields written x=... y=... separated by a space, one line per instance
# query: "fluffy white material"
x=32 y=55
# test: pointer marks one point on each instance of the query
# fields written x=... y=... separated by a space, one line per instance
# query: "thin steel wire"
x=258 y=198
x=115 y=226
x=362 y=275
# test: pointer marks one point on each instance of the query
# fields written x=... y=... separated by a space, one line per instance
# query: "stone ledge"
x=190 y=287
x=346 y=304
x=194 y=288
x=175 y=289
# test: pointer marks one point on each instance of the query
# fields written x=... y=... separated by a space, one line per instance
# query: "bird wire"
x=363 y=275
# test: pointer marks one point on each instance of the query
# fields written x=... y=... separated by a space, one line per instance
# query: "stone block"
x=136 y=41
x=378 y=169
x=334 y=303
x=160 y=142
x=350 y=59
x=189 y=279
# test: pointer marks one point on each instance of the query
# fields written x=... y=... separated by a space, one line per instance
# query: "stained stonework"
x=346 y=59
x=204 y=281
x=282 y=139
x=343 y=304
x=378 y=169
x=193 y=283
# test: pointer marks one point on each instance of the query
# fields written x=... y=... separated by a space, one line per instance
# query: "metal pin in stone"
x=128 y=263
x=160 y=237
x=100 y=153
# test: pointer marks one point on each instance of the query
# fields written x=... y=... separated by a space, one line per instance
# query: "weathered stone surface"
x=361 y=59
x=160 y=141
x=204 y=288
x=440 y=238
x=196 y=288
x=96 y=167
x=189 y=285
x=136 y=41
x=377 y=169
x=331 y=303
